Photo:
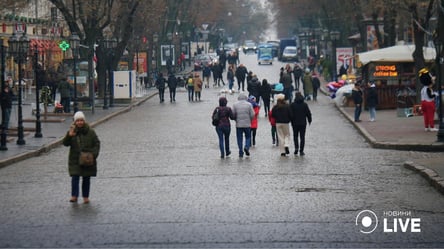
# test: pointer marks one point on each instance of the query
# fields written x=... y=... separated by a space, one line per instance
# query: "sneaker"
x=228 y=153
x=283 y=154
x=302 y=153
x=372 y=120
x=247 y=152
x=287 y=151
x=426 y=129
x=433 y=129
x=295 y=152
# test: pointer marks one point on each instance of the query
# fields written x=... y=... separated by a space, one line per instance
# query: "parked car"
x=290 y=53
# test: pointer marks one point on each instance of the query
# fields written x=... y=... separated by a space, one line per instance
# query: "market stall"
x=392 y=69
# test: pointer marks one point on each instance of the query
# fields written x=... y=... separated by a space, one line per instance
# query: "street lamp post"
x=334 y=35
x=38 y=123
x=170 y=57
x=19 y=49
x=74 y=41
x=109 y=45
x=155 y=41
x=189 y=47
x=439 y=63
x=3 y=145
x=205 y=36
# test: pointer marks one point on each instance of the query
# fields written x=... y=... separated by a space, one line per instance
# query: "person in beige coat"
x=197 y=86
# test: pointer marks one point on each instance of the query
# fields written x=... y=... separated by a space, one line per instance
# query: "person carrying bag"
x=82 y=140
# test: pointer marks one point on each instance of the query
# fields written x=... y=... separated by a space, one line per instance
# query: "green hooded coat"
x=85 y=140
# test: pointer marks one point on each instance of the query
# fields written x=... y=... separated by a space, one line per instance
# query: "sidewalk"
x=54 y=130
x=401 y=133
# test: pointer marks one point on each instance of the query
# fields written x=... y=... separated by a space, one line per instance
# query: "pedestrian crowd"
x=288 y=111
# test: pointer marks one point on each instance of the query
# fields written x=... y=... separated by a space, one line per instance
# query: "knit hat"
x=79 y=115
x=280 y=96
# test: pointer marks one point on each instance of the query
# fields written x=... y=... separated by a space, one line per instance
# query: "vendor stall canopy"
x=399 y=53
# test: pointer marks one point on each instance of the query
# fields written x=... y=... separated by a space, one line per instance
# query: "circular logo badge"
x=367 y=221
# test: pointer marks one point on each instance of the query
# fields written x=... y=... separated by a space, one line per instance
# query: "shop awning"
x=399 y=53
x=45 y=45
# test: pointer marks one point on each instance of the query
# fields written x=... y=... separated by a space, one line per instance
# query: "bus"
x=265 y=54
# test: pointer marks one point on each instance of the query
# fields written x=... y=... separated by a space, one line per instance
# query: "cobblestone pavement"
x=161 y=183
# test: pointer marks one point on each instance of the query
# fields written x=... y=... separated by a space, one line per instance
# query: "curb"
x=58 y=141
x=430 y=175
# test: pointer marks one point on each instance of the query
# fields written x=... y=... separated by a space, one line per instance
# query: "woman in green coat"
x=81 y=137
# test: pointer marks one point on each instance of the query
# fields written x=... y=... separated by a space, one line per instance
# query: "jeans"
x=190 y=93
x=86 y=182
x=6 y=114
x=230 y=84
x=223 y=132
x=358 y=109
x=240 y=132
x=288 y=94
x=372 y=111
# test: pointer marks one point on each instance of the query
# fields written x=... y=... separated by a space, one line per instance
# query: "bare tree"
x=89 y=19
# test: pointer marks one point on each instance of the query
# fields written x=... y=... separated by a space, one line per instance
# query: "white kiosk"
x=124 y=84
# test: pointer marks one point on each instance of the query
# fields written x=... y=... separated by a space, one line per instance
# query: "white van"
x=290 y=53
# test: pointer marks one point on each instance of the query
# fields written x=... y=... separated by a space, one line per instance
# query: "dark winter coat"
x=254 y=87
x=372 y=97
x=282 y=113
x=65 y=89
x=357 y=96
x=265 y=91
x=300 y=113
x=241 y=73
x=172 y=82
x=160 y=83
x=6 y=99
x=86 y=140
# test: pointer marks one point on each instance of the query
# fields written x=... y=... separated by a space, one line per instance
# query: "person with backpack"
x=223 y=114
x=190 y=87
